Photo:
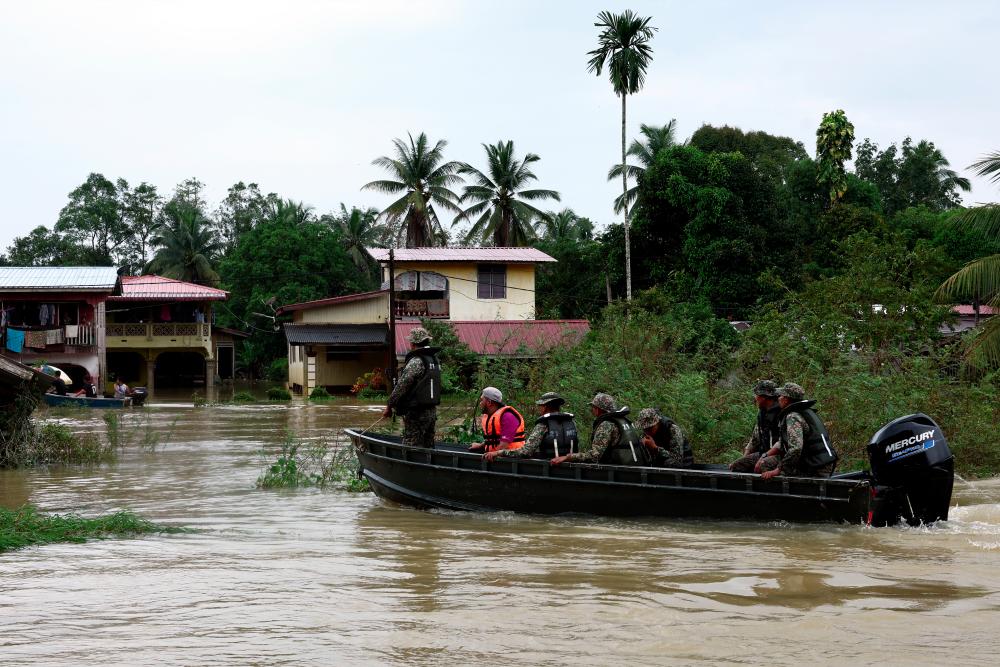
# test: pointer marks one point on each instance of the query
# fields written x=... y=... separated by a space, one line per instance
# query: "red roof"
x=984 y=311
x=318 y=303
x=512 y=338
x=146 y=288
x=505 y=255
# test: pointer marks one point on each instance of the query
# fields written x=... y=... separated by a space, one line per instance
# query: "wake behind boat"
x=911 y=479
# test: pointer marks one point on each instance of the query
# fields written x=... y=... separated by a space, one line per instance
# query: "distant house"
x=967 y=317
x=487 y=294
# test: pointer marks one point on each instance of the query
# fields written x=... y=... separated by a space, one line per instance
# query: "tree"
x=424 y=178
x=142 y=206
x=500 y=208
x=186 y=247
x=657 y=137
x=188 y=192
x=243 y=208
x=911 y=175
x=834 y=141
x=623 y=44
x=44 y=247
x=979 y=280
x=94 y=217
x=358 y=230
x=290 y=211
x=772 y=154
x=565 y=225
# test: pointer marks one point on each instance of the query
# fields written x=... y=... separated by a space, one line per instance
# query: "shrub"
x=313 y=464
x=320 y=394
x=373 y=381
x=278 y=394
x=277 y=371
x=243 y=397
x=26 y=526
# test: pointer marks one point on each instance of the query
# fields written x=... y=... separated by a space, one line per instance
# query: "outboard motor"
x=139 y=395
x=913 y=471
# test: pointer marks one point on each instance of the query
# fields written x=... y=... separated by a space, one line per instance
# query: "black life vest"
x=769 y=427
x=662 y=440
x=629 y=451
x=426 y=393
x=817 y=450
x=561 y=437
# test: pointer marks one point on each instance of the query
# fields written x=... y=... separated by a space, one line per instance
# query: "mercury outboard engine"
x=913 y=471
x=139 y=395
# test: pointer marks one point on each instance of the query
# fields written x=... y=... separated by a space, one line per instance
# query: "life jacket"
x=629 y=451
x=769 y=427
x=426 y=393
x=817 y=450
x=561 y=437
x=491 y=429
x=662 y=439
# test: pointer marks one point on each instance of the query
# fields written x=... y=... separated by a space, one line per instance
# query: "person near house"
x=554 y=433
x=89 y=389
x=418 y=391
x=805 y=449
x=765 y=432
x=666 y=442
x=502 y=425
x=614 y=439
x=121 y=389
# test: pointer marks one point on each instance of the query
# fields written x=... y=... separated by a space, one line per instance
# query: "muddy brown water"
x=309 y=577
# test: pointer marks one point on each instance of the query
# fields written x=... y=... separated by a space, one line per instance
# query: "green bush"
x=277 y=371
x=243 y=397
x=320 y=394
x=278 y=394
x=313 y=464
x=26 y=526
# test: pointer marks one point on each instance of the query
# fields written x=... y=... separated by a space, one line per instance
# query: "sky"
x=300 y=96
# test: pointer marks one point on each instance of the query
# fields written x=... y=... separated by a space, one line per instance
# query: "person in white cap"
x=503 y=426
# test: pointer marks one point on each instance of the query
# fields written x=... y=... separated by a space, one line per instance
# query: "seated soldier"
x=805 y=449
x=765 y=432
x=668 y=445
x=554 y=433
x=613 y=440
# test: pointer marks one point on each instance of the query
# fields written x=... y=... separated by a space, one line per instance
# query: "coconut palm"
x=979 y=280
x=424 y=178
x=185 y=246
x=657 y=137
x=565 y=225
x=290 y=211
x=500 y=208
x=359 y=230
x=624 y=45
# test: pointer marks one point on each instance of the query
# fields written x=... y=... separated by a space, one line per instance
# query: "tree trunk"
x=628 y=242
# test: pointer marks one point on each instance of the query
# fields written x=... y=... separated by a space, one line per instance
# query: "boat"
x=85 y=402
x=911 y=480
x=16 y=377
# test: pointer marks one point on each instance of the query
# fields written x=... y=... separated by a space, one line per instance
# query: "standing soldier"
x=667 y=444
x=418 y=391
x=805 y=449
x=614 y=439
x=765 y=433
x=554 y=434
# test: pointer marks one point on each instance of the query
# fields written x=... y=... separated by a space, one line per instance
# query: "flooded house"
x=486 y=294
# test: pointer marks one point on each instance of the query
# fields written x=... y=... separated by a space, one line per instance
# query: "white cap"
x=493 y=394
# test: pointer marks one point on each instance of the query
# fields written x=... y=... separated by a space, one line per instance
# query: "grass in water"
x=26 y=526
x=320 y=394
x=311 y=464
x=278 y=394
x=243 y=397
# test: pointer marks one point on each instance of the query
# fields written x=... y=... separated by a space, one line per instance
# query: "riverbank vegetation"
x=310 y=464
x=26 y=526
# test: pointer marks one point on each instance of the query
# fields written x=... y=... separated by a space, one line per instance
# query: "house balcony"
x=159 y=334
x=432 y=308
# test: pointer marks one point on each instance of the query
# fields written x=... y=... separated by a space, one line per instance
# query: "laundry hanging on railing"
x=15 y=340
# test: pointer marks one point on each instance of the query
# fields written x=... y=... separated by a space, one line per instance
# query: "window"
x=342 y=353
x=492 y=281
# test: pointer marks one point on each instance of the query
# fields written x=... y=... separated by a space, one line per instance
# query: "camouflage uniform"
x=531 y=445
x=671 y=456
x=418 y=425
x=606 y=435
x=797 y=429
x=759 y=442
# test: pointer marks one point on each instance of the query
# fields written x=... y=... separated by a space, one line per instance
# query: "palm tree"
x=501 y=209
x=565 y=225
x=624 y=45
x=657 y=137
x=424 y=179
x=186 y=247
x=290 y=211
x=359 y=230
x=980 y=279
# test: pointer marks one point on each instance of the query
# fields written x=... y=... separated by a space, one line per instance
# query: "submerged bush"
x=26 y=526
x=243 y=397
x=311 y=464
x=320 y=394
x=278 y=394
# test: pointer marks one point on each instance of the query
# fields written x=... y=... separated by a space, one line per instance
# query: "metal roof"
x=507 y=338
x=337 y=334
x=318 y=303
x=47 y=278
x=145 y=288
x=984 y=311
x=504 y=255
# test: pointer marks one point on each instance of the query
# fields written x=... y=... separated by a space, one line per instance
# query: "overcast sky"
x=300 y=96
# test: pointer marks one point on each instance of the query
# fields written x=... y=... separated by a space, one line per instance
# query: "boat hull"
x=450 y=478
x=84 y=402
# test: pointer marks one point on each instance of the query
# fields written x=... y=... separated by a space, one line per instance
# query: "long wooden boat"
x=84 y=402
x=450 y=477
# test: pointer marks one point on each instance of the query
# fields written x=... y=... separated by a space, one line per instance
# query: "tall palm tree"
x=290 y=211
x=186 y=247
x=979 y=280
x=359 y=230
x=624 y=45
x=657 y=137
x=424 y=178
x=565 y=225
x=501 y=209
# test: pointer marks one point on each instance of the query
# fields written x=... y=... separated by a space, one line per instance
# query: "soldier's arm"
x=754 y=442
x=531 y=445
x=411 y=373
x=674 y=455
x=603 y=437
x=795 y=433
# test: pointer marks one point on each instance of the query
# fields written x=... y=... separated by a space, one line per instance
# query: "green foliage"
x=243 y=209
x=771 y=154
x=913 y=175
x=359 y=229
x=243 y=397
x=186 y=247
x=199 y=399
x=278 y=394
x=623 y=46
x=458 y=361
x=834 y=142
x=320 y=394
x=26 y=526
x=655 y=139
x=314 y=464
x=574 y=285
x=277 y=371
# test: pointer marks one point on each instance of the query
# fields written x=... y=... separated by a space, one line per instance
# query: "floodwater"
x=309 y=577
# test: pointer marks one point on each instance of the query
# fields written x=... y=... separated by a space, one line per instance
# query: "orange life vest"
x=491 y=430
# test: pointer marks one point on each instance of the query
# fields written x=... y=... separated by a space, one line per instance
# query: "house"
x=966 y=317
x=486 y=294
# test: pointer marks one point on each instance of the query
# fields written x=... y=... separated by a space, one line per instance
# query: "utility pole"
x=392 y=320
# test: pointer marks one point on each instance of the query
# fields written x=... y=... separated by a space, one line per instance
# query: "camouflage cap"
x=792 y=391
x=418 y=335
x=766 y=388
x=604 y=402
x=550 y=397
x=647 y=417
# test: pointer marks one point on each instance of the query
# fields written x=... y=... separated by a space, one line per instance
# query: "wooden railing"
x=84 y=336
x=159 y=330
x=422 y=308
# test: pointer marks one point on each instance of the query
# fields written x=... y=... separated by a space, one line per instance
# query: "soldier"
x=805 y=449
x=418 y=391
x=668 y=446
x=554 y=433
x=765 y=432
x=614 y=439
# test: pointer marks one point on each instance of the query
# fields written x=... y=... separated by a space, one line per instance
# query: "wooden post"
x=392 y=320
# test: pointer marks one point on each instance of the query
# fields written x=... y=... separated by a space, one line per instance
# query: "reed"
x=26 y=526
